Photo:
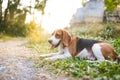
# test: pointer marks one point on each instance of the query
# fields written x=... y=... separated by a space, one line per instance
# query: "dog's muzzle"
x=54 y=46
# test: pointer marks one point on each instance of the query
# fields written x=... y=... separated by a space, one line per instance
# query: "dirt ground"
x=15 y=63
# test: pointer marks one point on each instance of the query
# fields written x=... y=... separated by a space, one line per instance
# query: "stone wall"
x=93 y=11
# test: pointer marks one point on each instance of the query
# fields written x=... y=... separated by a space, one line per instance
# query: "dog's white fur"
x=54 y=40
x=97 y=52
x=62 y=54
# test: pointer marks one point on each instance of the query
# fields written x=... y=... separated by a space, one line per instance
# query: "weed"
x=116 y=44
x=42 y=47
x=79 y=68
x=4 y=37
x=109 y=31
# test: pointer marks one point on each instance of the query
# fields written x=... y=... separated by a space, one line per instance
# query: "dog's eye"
x=57 y=36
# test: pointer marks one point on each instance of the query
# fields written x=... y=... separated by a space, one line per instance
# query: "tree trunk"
x=1 y=11
x=6 y=12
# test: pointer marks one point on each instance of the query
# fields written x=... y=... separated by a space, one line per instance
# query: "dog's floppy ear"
x=66 y=38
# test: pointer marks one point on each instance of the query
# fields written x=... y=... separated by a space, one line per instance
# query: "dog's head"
x=59 y=36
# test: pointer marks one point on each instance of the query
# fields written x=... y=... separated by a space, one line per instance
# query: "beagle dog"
x=70 y=46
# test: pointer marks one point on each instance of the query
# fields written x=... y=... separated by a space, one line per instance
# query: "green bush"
x=116 y=44
x=13 y=30
x=3 y=28
x=109 y=31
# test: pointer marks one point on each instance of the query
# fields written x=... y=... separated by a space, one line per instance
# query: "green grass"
x=42 y=47
x=5 y=37
x=116 y=44
x=82 y=68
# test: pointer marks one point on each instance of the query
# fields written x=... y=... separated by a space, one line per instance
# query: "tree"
x=1 y=11
x=40 y=5
x=11 y=10
x=13 y=18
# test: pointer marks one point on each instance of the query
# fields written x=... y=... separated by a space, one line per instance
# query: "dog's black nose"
x=50 y=41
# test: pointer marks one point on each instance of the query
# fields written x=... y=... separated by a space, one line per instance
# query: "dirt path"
x=15 y=63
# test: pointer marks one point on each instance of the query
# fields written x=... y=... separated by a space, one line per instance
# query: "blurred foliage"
x=96 y=30
x=116 y=44
x=111 y=4
x=12 y=20
x=35 y=33
x=15 y=30
x=40 y=4
x=43 y=47
x=109 y=31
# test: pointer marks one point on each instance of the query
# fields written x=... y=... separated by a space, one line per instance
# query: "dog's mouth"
x=54 y=46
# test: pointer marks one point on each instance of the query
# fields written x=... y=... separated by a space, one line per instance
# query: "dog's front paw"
x=42 y=55
x=47 y=59
x=50 y=59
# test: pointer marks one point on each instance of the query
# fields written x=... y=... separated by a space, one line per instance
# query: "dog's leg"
x=59 y=56
x=51 y=54
x=64 y=55
x=48 y=55
x=97 y=52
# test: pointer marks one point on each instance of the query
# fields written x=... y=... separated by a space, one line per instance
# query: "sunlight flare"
x=36 y=16
x=58 y=13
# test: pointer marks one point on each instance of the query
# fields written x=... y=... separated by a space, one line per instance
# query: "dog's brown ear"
x=66 y=38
